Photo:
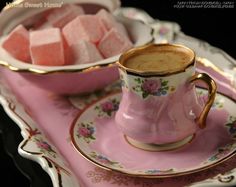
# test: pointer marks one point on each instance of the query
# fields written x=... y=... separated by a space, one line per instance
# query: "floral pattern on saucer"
x=107 y=108
x=108 y=151
x=156 y=171
x=86 y=132
x=103 y=159
x=222 y=152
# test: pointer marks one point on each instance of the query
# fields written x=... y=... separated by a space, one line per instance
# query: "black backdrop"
x=215 y=25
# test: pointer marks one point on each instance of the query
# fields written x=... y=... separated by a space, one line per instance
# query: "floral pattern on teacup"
x=104 y=160
x=155 y=87
x=86 y=132
x=107 y=107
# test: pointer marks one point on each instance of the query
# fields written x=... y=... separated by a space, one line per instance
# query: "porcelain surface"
x=96 y=136
x=161 y=107
x=55 y=153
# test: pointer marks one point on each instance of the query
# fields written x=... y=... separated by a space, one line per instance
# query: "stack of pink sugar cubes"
x=69 y=36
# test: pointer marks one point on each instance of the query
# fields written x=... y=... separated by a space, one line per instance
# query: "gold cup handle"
x=201 y=120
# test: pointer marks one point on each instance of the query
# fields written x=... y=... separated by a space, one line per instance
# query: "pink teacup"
x=159 y=109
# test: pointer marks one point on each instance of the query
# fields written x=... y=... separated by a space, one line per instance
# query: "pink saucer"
x=97 y=138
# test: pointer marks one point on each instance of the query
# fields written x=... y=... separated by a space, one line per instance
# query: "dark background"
x=214 y=25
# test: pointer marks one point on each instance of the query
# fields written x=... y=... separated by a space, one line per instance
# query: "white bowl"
x=70 y=79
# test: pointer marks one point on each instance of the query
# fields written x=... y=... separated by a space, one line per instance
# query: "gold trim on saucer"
x=163 y=175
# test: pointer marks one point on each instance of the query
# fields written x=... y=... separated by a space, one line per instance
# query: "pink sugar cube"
x=110 y=22
x=68 y=55
x=85 y=52
x=121 y=29
x=106 y=18
x=114 y=43
x=61 y=16
x=46 y=47
x=17 y=43
x=85 y=27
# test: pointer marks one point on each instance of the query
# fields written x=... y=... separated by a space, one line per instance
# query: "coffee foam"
x=160 y=59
